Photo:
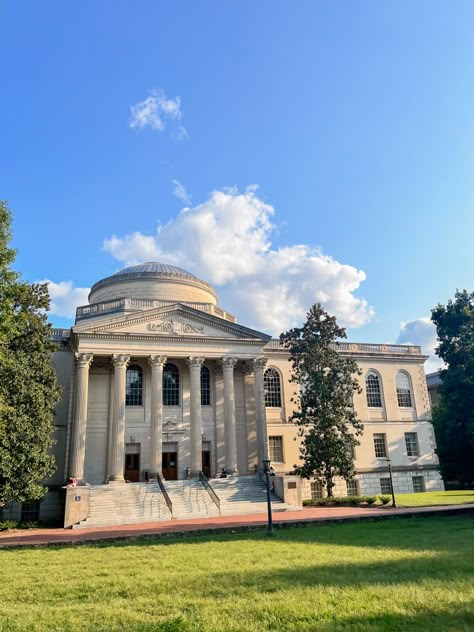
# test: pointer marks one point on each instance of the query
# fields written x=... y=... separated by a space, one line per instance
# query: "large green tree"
x=28 y=387
x=324 y=411
x=453 y=417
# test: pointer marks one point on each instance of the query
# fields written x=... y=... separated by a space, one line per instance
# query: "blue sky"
x=354 y=120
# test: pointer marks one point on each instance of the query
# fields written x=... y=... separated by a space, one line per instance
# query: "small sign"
x=77 y=499
x=292 y=485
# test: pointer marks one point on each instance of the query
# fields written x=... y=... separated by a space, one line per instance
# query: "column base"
x=116 y=480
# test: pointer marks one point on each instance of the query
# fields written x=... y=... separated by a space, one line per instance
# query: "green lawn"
x=425 y=499
x=401 y=574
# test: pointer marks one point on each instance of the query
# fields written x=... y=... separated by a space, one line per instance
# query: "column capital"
x=259 y=364
x=228 y=363
x=120 y=361
x=157 y=362
x=83 y=360
x=194 y=361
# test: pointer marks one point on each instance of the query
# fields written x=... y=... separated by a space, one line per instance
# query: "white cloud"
x=65 y=297
x=226 y=240
x=180 y=192
x=421 y=331
x=156 y=111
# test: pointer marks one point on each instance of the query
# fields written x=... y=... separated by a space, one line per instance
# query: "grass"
x=426 y=499
x=410 y=574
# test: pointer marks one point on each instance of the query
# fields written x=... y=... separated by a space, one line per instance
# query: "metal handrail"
x=165 y=494
x=206 y=484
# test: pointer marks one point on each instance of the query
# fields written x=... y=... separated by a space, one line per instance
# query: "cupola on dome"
x=153 y=280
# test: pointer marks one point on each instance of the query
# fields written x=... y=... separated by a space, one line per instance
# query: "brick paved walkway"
x=219 y=524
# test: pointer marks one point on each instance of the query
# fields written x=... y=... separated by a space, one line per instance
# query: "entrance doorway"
x=206 y=463
x=132 y=467
x=170 y=466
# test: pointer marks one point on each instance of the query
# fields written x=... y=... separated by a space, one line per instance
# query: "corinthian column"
x=262 y=447
x=156 y=421
x=228 y=365
x=118 y=426
x=195 y=365
x=83 y=362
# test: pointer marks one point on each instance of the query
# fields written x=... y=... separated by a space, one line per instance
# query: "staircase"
x=245 y=495
x=125 y=504
x=190 y=499
x=141 y=502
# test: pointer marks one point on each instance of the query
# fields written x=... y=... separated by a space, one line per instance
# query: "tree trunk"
x=329 y=485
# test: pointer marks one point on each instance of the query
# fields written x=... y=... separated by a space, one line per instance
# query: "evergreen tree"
x=28 y=387
x=453 y=418
x=324 y=414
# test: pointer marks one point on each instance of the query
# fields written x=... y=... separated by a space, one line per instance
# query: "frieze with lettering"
x=175 y=327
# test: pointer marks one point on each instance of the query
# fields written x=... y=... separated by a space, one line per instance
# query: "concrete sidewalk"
x=219 y=524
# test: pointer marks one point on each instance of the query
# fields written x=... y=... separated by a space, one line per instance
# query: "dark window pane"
x=372 y=387
x=170 y=385
x=205 y=387
x=134 y=386
x=271 y=384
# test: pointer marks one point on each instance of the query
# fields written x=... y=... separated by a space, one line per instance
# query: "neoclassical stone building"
x=160 y=381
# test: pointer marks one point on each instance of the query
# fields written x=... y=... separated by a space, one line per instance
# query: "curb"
x=248 y=528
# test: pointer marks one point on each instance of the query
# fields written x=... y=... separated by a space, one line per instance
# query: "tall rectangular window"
x=352 y=487
x=385 y=486
x=275 y=445
x=380 y=445
x=418 y=483
x=411 y=441
x=316 y=490
x=30 y=511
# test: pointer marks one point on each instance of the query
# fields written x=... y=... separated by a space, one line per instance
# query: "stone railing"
x=138 y=304
x=58 y=335
x=357 y=347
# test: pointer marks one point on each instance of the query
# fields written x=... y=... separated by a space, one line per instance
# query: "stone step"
x=141 y=502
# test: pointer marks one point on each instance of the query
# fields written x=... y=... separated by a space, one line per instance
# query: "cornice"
x=177 y=309
x=159 y=338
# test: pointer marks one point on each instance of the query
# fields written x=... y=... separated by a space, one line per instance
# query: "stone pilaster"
x=156 y=418
x=120 y=363
x=228 y=365
x=262 y=441
x=195 y=365
x=78 y=451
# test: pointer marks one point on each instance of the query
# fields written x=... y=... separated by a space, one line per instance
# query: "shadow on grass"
x=430 y=619
x=441 y=533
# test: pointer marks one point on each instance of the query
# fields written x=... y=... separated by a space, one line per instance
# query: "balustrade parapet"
x=359 y=347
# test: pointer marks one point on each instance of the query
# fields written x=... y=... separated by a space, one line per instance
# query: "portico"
x=155 y=427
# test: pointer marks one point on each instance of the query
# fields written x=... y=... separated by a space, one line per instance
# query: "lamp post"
x=266 y=469
x=389 y=463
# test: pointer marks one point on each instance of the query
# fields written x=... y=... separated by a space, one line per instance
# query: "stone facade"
x=145 y=319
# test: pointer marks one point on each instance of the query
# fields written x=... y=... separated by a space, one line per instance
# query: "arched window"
x=271 y=385
x=134 y=386
x=205 y=386
x=373 y=390
x=403 y=390
x=170 y=385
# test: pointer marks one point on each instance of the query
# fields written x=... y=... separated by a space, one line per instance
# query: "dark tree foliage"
x=453 y=418
x=28 y=387
x=324 y=412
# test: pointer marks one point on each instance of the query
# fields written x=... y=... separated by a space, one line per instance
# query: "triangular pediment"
x=178 y=321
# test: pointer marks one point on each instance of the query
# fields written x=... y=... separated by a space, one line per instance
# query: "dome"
x=153 y=280
x=154 y=267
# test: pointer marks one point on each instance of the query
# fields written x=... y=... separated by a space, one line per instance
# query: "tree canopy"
x=324 y=413
x=28 y=387
x=453 y=417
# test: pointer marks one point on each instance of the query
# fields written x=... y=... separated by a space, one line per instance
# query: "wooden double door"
x=169 y=465
x=132 y=467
